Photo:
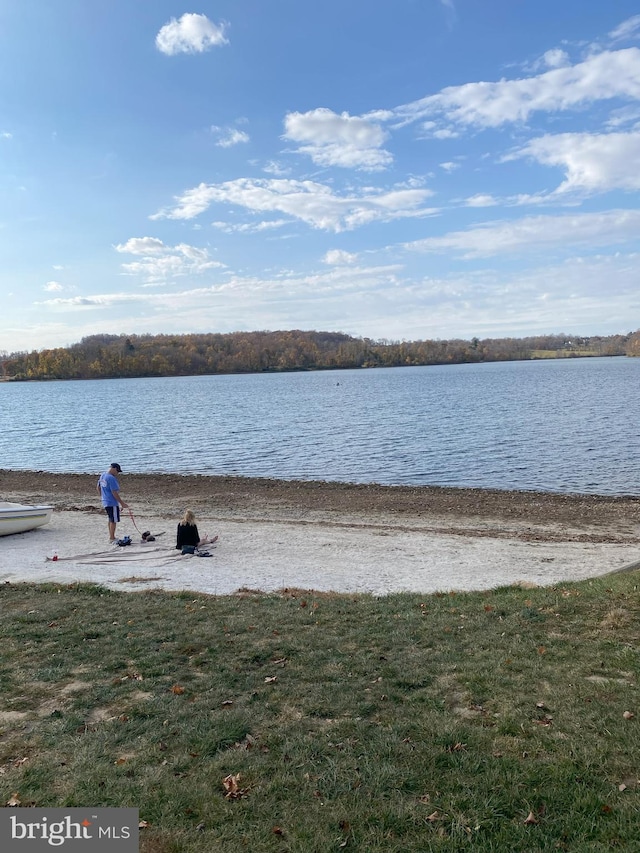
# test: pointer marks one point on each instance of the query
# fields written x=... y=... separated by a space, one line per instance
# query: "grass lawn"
x=499 y=721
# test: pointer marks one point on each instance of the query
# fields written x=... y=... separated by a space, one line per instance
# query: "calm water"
x=564 y=426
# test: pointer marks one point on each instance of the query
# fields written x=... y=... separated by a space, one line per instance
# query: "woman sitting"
x=188 y=535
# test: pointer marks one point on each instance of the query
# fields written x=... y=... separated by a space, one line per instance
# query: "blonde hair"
x=188 y=517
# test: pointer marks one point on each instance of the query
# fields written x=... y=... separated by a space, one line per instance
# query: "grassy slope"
x=481 y=722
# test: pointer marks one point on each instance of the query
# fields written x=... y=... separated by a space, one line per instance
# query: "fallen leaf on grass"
x=622 y=787
x=434 y=816
x=271 y=679
x=248 y=742
x=232 y=788
x=14 y=799
x=143 y=824
x=628 y=715
x=530 y=819
x=177 y=689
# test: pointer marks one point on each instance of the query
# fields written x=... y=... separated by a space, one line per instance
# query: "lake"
x=562 y=425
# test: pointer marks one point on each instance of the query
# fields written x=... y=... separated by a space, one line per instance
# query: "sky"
x=406 y=170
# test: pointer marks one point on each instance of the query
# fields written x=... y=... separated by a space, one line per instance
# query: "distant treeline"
x=114 y=356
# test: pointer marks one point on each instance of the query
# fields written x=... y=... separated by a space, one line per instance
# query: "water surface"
x=567 y=425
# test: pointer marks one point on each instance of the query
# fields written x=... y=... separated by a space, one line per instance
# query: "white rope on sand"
x=122 y=554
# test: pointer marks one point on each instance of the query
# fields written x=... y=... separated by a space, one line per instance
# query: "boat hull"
x=18 y=518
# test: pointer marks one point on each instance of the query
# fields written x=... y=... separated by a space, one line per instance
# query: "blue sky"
x=395 y=170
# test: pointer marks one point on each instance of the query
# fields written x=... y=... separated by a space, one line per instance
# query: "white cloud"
x=626 y=30
x=53 y=286
x=556 y=58
x=449 y=166
x=6 y=135
x=308 y=201
x=338 y=140
x=229 y=136
x=592 y=162
x=191 y=34
x=142 y=246
x=339 y=258
x=160 y=262
x=624 y=115
x=249 y=227
x=532 y=233
x=481 y=200
x=445 y=133
x=276 y=169
x=610 y=74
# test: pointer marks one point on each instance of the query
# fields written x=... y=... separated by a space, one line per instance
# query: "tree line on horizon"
x=129 y=356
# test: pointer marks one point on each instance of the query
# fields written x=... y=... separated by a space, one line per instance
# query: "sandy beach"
x=317 y=536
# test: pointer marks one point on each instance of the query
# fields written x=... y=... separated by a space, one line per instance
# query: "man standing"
x=109 y=491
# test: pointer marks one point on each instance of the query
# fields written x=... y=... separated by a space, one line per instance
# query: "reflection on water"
x=563 y=425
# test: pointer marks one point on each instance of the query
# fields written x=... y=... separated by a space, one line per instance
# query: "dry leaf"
x=531 y=819
x=628 y=715
x=622 y=787
x=120 y=761
x=14 y=799
x=177 y=689
x=277 y=830
x=270 y=679
x=232 y=788
x=230 y=784
x=143 y=824
x=434 y=816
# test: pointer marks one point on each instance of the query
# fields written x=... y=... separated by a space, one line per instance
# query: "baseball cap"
x=117 y=467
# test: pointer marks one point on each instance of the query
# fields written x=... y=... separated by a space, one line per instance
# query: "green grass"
x=481 y=722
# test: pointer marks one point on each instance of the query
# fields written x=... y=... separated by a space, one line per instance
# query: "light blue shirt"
x=108 y=485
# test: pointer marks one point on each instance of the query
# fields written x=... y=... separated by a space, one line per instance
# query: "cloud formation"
x=159 y=262
x=308 y=201
x=532 y=233
x=593 y=162
x=190 y=34
x=229 y=136
x=610 y=74
x=330 y=139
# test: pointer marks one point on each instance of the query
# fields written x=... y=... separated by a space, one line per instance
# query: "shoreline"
x=330 y=537
x=233 y=494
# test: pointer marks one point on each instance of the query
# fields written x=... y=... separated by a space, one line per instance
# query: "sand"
x=317 y=536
